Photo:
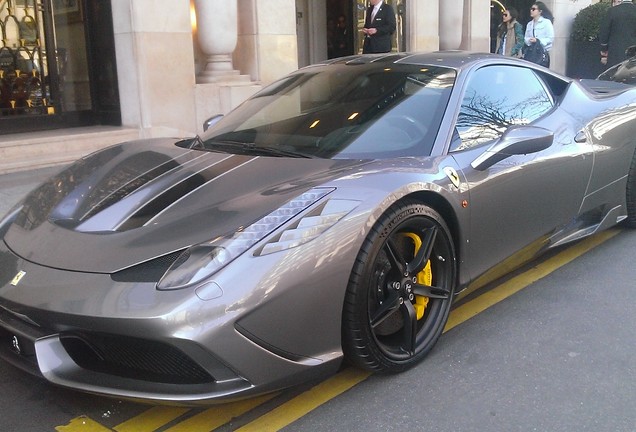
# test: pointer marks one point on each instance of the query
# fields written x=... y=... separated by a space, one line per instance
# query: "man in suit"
x=618 y=32
x=379 y=26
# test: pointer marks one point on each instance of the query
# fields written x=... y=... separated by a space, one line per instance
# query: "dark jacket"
x=618 y=32
x=384 y=22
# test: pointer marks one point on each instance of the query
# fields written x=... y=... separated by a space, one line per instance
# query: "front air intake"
x=134 y=358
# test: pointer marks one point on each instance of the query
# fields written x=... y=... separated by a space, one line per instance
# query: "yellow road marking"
x=82 y=424
x=301 y=405
x=152 y=419
x=294 y=409
x=217 y=416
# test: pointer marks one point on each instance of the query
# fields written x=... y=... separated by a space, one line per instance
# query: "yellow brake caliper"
x=425 y=277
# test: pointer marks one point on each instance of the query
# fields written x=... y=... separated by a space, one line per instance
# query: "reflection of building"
x=141 y=75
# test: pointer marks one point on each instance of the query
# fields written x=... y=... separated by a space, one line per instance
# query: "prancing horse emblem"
x=452 y=175
x=15 y=344
x=17 y=278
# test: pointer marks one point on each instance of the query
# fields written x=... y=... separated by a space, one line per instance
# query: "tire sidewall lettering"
x=403 y=215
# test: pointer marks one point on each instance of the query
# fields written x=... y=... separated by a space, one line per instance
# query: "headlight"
x=203 y=260
x=309 y=226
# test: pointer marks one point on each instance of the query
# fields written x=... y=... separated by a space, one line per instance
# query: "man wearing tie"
x=379 y=25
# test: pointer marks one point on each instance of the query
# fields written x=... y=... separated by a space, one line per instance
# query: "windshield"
x=361 y=111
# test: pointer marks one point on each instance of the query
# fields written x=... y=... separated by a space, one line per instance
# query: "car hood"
x=140 y=200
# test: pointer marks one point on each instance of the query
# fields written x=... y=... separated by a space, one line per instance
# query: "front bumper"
x=130 y=341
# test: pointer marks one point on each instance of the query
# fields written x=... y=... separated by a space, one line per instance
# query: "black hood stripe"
x=133 y=185
x=91 y=186
x=172 y=195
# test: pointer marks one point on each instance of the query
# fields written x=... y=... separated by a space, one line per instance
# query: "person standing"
x=510 y=34
x=618 y=32
x=379 y=26
x=341 y=40
x=540 y=28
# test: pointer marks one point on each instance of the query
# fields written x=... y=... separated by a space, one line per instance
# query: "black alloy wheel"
x=400 y=290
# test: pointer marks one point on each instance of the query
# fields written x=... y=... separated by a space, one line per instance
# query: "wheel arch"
x=372 y=296
x=442 y=206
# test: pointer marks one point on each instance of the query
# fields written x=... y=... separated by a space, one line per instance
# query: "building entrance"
x=345 y=19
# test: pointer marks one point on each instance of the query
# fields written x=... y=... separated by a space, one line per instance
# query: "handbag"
x=536 y=53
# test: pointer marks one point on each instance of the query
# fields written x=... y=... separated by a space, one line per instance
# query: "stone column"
x=152 y=80
x=217 y=23
x=476 y=27
x=451 y=24
x=423 y=24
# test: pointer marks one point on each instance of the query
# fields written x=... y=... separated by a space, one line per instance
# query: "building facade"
x=78 y=75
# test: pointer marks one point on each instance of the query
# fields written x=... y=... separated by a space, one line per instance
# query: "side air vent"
x=149 y=271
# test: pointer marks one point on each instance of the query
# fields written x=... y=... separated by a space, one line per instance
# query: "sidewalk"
x=15 y=186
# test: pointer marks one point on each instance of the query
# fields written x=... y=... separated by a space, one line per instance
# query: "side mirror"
x=516 y=140
x=211 y=121
x=631 y=51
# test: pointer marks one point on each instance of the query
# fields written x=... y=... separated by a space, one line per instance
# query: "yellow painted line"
x=152 y=419
x=82 y=424
x=306 y=402
x=217 y=416
x=517 y=283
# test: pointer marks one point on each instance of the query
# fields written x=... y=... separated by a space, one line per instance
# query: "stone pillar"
x=220 y=87
x=423 y=25
x=476 y=28
x=451 y=23
x=155 y=66
x=267 y=45
x=217 y=32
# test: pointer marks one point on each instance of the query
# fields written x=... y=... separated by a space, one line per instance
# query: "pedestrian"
x=618 y=32
x=540 y=31
x=379 y=26
x=510 y=34
x=341 y=44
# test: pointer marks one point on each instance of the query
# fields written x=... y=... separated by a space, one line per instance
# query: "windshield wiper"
x=276 y=151
x=197 y=143
x=247 y=148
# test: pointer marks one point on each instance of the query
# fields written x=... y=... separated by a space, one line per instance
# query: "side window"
x=496 y=98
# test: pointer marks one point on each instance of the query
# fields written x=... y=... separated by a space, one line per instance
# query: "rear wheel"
x=631 y=194
x=400 y=290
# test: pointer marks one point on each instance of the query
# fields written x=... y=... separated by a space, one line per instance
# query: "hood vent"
x=168 y=198
x=129 y=186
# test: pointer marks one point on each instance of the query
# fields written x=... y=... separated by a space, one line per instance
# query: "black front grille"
x=134 y=358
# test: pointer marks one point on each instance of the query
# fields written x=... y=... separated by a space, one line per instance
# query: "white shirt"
x=541 y=29
x=376 y=8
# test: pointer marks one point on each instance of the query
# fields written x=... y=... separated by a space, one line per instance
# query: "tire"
x=631 y=194
x=400 y=290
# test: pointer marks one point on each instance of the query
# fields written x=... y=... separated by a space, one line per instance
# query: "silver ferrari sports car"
x=332 y=217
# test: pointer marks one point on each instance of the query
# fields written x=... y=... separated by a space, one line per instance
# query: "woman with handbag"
x=540 y=30
x=510 y=34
